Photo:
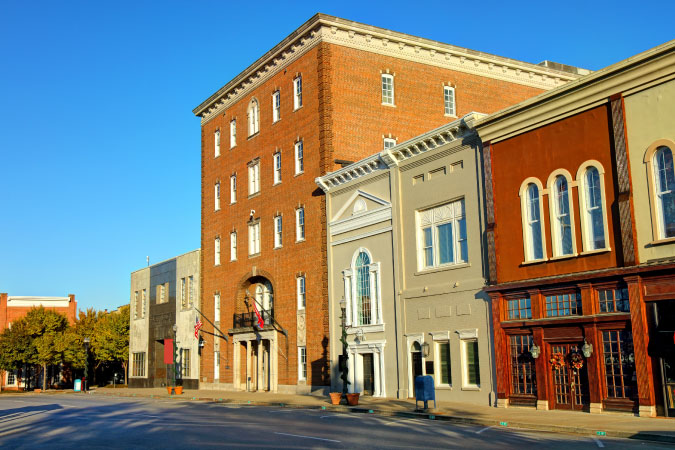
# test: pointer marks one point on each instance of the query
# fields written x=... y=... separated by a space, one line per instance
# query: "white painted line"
x=291 y=410
x=484 y=429
x=598 y=442
x=306 y=437
x=339 y=416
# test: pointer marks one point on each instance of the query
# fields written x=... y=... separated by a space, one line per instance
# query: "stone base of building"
x=595 y=408
x=543 y=405
x=502 y=403
x=647 y=411
x=155 y=383
x=292 y=389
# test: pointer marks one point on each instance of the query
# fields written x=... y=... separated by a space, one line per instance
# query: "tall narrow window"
x=297 y=92
x=664 y=180
x=363 y=297
x=619 y=358
x=183 y=296
x=254 y=178
x=253 y=115
x=216 y=365
x=233 y=188
x=185 y=363
x=216 y=307
x=302 y=363
x=254 y=238
x=387 y=89
x=471 y=363
x=277 y=168
x=233 y=246
x=216 y=196
x=442 y=235
x=535 y=247
x=444 y=365
x=233 y=133
x=523 y=378
x=301 y=292
x=144 y=302
x=217 y=143
x=300 y=224
x=389 y=143
x=449 y=100
x=562 y=220
x=217 y=251
x=136 y=305
x=299 y=158
x=276 y=106
x=278 y=232
x=595 y=217
x=191 y=291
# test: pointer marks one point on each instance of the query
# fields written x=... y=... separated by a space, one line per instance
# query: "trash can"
x=77 y=387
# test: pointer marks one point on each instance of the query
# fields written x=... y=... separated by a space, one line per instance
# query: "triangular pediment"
x=358 y=203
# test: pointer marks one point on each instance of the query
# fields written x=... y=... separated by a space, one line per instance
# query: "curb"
x=529 y=426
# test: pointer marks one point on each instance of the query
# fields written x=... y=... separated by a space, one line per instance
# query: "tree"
x=46 y=327
x=16 y=347
x=73 y=339
x=111 y=338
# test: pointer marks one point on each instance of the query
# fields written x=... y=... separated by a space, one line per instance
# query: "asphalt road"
x=90 y=422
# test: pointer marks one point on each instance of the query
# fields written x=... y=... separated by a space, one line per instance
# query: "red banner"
x=168 y=351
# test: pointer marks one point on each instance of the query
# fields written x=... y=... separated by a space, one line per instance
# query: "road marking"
x=306 y=437
x=291 y=410
x=484 y=429
x=339 y=416
x=598 y=442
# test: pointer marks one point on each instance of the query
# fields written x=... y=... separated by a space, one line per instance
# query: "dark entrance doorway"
x=368 y=374
x=570 y=385
x=664 y=318
x=416 y=360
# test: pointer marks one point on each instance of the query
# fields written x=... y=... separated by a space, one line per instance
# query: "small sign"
x=78 y=385
x=504 y=424
x=601 y=433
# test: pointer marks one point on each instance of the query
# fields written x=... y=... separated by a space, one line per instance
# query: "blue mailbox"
x=424 y=390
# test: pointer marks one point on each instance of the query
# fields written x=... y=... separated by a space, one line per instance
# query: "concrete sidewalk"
x=608 y=424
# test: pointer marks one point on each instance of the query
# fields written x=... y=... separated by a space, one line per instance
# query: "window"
x=362 y=288
x=277 y=232
x=183 y=296
x=301 y=293
x=253 y=115
x=136 y=305
x=559 y=305
x=443 y=363
x=139 y=364
x=191 y=290
x=471 y=364
x=144 y=301
x=217 y=143
x=216 y=196
x=531 y=209
x=299 y=158
x=216 y=365
x=216 y=307
x=300 y=224
x=523 y=377
x=216 y=260
x=519 y=308
x=613 y=300
x=363 y=295
x=233 y=133
x=297 y=92
x=664 y=183
x=254 y=178
x=185 y=363
x=619 y=358
x=233 y=188
x=233 y=246
x=162 y=293
x=591 y=204
x=387 y=89
x=389 y=143
x=277 y=168
x=254 y=238
x=11 y=378
x=562 y=221
x=302 y=363
x=449 y=100
x=442 y=236
x=276 y=106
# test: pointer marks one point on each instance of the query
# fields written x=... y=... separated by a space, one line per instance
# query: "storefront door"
x=368 y=374
x=665 y=350
x=570 y=385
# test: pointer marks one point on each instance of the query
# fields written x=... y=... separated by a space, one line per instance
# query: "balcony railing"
x=250 y=319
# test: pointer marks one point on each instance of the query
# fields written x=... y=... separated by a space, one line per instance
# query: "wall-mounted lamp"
x=425 y=349
x=587 y=349
x=535 y=351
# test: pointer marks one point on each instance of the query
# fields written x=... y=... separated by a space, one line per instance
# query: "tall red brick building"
x=332 y=92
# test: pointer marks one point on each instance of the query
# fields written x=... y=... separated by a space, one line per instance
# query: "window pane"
x=444 y=356
x=563 y=213
x=363 y=289
x=665 y=181
x=473 y=368
x=523 y=379
x=619 y=361
x=536 y=250
x=428 y=248
x=463 y=246
x=594 y=209
x=445 y=244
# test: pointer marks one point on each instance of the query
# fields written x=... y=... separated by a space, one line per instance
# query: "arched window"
x=531 y=214
x=593 y=210
x=362 y=287
x=253 y=114
x=664 y=183
x=264 y=297
x=363 y=306
x=562 y=218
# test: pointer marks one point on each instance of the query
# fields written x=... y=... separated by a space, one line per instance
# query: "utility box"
x=77 y=386
x=424 y=390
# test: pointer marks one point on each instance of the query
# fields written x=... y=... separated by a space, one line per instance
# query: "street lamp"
x=345 y=356
x=534 y=351
x=175 y=359
x=86 y=362
x=587 y=349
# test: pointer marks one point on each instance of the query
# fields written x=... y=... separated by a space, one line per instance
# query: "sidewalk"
x=608 y=424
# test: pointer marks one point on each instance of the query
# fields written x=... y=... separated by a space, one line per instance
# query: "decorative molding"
x=470 y=333
x=353 y=171
x=361 y=236
x=360 y=220
x=440 y=335
x=359 y=193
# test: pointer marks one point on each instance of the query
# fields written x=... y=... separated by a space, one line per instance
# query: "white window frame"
x=216 y=196
x=299 y=157
x=183 y=296
x=136 y=305
x=254 y=178
x=254 y=238
x=449 y=103
x=216 y=308
x=144 y=302
x=585 y=211
x=375 y=287
x=253 y=116
x=191 y=291
x=389 y=143
x=216 y=254
x=556 y=235
x=302 y=363
x=233 y=188
x=233 y=246
x=387 y=81
x=300 y=224
x=216 y=365
x=465 y=362
x=276 y=106
x=437 y=362
x=301 y=291
x=278 y=231
x=653 y=179
x=216 y=139
x=297 y=92
x=277 y=167
x=453 y=213
x=528 y=245
x=233 y=133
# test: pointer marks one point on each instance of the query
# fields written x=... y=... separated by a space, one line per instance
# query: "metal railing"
x=250 y=319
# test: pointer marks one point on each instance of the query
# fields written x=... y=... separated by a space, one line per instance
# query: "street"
x=71 y=421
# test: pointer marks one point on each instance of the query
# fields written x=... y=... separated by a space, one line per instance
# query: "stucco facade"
x=162 y=295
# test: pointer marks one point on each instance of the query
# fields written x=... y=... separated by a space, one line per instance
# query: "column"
x=352 y=366
x=543 y=370
x=274 y=364
x=260 y=382
x=236 y=365
x=376 y=369
x=594 y=369
x=248 y=366
x=501 y=354
x=643 y=362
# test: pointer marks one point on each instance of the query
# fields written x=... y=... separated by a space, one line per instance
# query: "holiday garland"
x=576 y=360
x=557 y=360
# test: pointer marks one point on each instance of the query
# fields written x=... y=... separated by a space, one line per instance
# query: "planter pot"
x=353 y=399
x=179 y=390
x=335 y=397
x=37 y=391
x=169 y=389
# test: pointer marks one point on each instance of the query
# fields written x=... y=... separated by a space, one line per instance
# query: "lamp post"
x=345 y=356
x=86 y=362
x=175 y=359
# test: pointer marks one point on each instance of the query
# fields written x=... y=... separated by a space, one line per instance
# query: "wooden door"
x=570 y=385
x=368 y=374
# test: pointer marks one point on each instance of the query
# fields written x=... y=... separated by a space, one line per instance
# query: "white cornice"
x=333 y=30
x=51 y=302
x=351 y=172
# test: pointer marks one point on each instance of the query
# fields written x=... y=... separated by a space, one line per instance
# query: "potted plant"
x=179 y=390
x=335 y=397
x=353 y=398
x=169 y=389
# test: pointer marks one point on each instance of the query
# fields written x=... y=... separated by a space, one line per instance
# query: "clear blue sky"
x=99 y=149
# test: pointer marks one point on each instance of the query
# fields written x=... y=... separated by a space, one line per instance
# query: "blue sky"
x=99 y=149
